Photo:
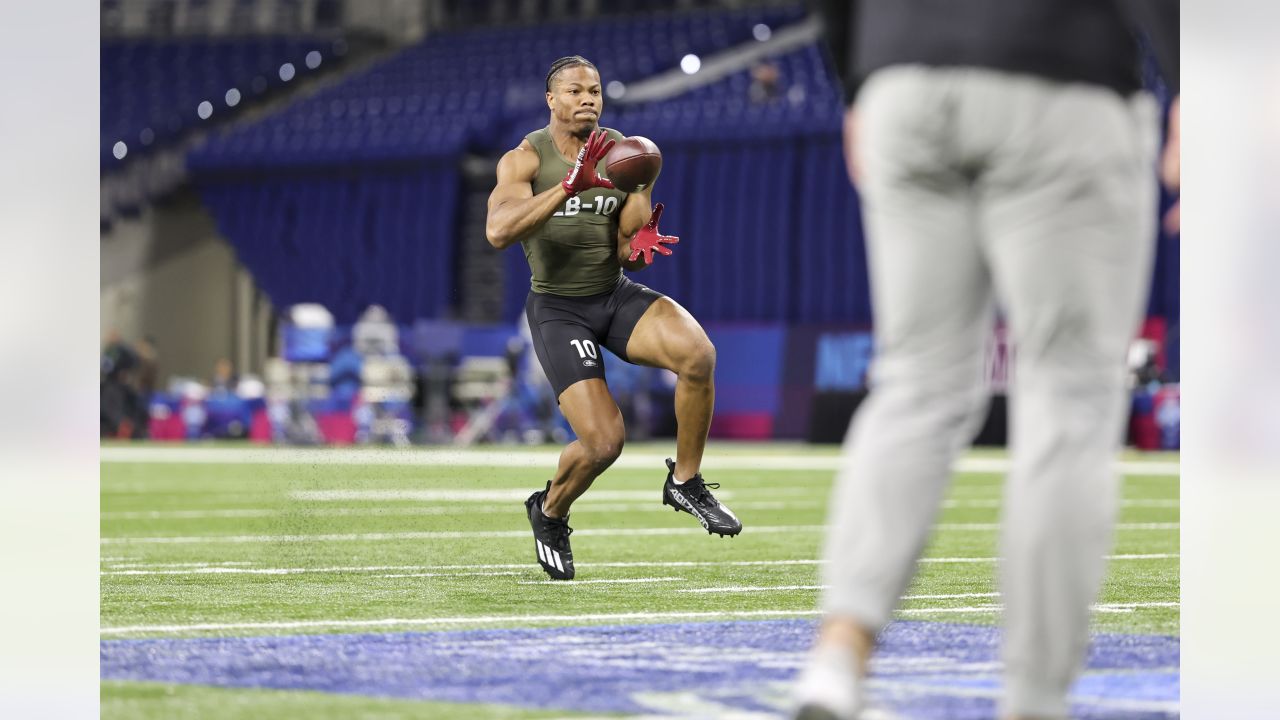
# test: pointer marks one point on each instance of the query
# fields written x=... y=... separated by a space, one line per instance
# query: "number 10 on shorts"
x=586 y=348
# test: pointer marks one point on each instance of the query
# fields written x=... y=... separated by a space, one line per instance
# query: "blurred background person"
x=224 y=378
x=375 y=333
x=1003 y=149
x=765 y=82
x=118 y=395
x=146 y=381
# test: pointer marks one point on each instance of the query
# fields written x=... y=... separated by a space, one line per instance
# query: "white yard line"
x=751 y=588
x=617 y=581
x=215 y=570
x=1151 y=503
x=464 y=620
x=426 y=535
x=423 y=535
x=996 y=503
x=974 y=610
x=951 y=596
x=771 y=588
x=984 y=609
x=494 y=619
x=1142 y=556
x=190 y=514
x=482 y=569
x=439 y=570
x=459 y=573
x=532 y=459
x=393 y=511
x=474 y=534
x=221 y=564
x=586 y=504
x=460 y=495
x=996 y=526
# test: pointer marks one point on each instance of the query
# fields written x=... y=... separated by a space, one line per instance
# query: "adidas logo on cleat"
x=550 y=538
x=549 y=556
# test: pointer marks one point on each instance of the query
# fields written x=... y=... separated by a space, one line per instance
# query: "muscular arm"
x=514 y=211
x=636 y=210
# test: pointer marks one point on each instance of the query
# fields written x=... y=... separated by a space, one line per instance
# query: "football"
x=633 y=163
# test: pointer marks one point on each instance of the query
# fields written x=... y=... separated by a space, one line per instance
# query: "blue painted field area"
x=738 y=669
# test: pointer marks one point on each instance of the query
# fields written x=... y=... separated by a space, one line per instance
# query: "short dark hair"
x=565 y=62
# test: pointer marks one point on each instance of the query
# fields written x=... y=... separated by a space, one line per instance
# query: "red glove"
x=582 y=176
x=649 y=240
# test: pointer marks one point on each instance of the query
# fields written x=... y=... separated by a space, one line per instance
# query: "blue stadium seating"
x=462 y=90
x=346 y=241
x=151 y=88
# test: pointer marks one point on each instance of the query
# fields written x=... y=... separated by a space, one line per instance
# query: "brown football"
x=633 y=163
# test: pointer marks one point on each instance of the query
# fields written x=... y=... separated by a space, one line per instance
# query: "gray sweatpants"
x=976 y=186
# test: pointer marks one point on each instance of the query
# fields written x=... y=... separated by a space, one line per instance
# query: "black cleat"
x=550 y=538
x=694 y=497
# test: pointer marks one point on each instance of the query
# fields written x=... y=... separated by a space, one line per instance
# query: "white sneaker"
x=829 y=687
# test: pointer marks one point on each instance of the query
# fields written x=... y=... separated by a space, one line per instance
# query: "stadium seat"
x=152 y=89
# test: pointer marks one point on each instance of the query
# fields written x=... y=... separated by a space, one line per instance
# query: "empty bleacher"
x=153 y=91
x=462 y=90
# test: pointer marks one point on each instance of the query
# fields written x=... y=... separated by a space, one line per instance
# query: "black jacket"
x=1091 y=41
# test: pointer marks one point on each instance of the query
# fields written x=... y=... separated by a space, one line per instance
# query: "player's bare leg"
x=667 y=336
x=596 y=420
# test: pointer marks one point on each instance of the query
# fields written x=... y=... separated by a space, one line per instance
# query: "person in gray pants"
x=990 y=173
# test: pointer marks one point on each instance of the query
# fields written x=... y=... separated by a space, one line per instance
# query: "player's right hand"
x=582 y=176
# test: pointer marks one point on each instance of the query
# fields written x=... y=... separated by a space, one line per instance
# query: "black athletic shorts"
x=568 y=331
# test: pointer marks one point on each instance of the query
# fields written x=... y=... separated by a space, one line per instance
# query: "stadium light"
x=762 y=32
x=313 y=59
x=287 y=72
x=204 y=110
x=690 y=64
x=616 y=89
x=120 y=150
x=232 y=97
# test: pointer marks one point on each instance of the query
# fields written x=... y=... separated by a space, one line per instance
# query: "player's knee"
x=700 y=365
x=602 y=449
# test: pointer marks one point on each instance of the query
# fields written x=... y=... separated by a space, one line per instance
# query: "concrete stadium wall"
x=170 y=275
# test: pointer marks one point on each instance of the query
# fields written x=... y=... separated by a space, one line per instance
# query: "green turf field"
x=203 y=544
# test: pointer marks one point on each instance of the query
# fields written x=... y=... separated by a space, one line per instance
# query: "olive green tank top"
x=576 y=251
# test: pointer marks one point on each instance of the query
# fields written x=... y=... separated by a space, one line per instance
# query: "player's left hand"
x=649 y=240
